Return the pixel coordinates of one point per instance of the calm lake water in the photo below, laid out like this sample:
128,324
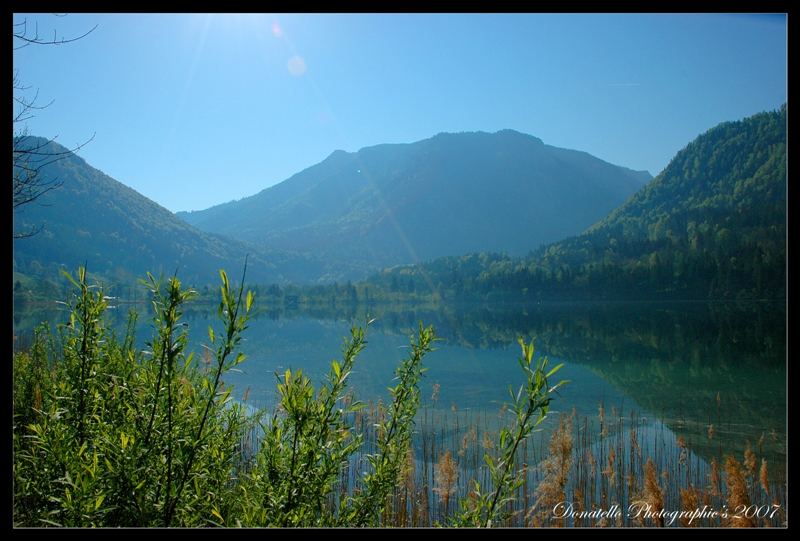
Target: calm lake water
682,366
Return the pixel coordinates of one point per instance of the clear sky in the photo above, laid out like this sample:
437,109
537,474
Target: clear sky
194,110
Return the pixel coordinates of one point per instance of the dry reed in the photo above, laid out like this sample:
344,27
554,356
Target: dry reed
737,494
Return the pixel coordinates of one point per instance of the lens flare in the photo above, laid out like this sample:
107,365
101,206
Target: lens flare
297,66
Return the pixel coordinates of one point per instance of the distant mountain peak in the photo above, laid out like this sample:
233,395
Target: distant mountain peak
338,153
450,194
508,132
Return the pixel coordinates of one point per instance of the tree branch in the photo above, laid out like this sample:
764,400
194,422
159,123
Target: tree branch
22,35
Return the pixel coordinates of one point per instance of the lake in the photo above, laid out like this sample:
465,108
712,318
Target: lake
685,365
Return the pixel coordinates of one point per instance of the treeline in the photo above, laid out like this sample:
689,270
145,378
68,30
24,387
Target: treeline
711,226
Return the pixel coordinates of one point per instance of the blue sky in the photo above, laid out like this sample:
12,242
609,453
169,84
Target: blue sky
194,110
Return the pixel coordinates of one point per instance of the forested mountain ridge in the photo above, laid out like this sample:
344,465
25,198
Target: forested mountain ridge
447,195
734,175
711,225
120,234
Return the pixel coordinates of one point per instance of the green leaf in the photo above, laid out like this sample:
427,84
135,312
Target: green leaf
248,301
99,501
357,406
211,334
69,277
554,370
336,369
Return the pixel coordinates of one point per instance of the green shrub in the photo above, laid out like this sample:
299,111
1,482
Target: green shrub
108,435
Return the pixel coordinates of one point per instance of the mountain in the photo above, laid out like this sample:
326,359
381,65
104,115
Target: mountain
447,195
120,234
711,225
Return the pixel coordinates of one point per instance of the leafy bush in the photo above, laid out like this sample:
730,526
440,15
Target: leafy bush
109,435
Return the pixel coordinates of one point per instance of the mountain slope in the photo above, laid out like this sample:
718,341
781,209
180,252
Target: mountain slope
91,218
711,225
447,195
734,175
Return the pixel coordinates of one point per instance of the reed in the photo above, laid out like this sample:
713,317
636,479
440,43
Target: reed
446,479
738,500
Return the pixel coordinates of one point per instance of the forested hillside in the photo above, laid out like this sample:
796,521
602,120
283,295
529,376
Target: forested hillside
711,225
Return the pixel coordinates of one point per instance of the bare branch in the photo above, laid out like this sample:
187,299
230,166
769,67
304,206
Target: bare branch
36,40
30,157
28,163
30,194
35,150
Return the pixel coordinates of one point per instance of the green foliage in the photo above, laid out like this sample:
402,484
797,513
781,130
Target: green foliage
310,440
306,444
394,436
529,405
115,436
108,435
